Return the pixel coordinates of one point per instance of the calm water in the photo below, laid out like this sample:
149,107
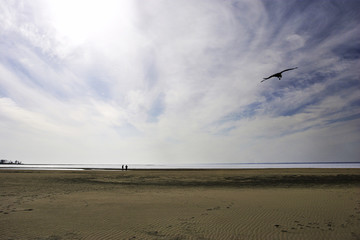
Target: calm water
179,166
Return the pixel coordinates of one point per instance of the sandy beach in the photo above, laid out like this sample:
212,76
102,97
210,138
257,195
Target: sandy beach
180,204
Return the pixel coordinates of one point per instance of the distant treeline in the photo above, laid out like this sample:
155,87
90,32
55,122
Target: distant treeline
4,161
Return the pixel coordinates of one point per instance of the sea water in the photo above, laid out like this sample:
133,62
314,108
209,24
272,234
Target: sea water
181,166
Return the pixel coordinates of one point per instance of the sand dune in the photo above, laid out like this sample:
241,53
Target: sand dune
212,204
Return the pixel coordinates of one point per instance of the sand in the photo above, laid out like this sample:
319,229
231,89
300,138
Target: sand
179,204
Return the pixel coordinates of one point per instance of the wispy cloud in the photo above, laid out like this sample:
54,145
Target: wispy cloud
179,81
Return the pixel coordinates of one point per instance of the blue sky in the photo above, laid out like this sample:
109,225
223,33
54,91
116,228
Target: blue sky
179,81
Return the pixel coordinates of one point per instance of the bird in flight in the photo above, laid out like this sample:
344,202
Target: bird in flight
279,74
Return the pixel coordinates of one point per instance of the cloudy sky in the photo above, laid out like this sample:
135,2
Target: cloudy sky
178,81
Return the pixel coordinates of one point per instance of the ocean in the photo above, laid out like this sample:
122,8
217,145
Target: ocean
180,166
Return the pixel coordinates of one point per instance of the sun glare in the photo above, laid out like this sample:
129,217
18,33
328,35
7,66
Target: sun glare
78,20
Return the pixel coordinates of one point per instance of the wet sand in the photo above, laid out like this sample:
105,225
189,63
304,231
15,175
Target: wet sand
180,204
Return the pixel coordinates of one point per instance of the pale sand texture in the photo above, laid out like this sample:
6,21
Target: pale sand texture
207,204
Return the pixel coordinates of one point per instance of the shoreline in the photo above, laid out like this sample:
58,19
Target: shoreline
166,169
215,166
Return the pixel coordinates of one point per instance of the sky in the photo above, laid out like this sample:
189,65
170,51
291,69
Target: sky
178,81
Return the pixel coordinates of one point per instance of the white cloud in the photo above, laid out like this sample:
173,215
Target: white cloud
173,81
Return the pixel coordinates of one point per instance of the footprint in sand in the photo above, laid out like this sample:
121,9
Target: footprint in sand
155,233
214,208
230,205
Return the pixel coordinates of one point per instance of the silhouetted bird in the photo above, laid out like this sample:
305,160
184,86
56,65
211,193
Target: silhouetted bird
279,74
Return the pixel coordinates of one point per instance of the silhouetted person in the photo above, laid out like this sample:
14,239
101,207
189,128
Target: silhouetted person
279,74
122,167
126,167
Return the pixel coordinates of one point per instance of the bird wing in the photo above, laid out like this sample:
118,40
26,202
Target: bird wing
288,69
266,78
269,77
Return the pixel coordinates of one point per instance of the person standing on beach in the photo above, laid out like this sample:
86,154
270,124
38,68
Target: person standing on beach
126,167
122,167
